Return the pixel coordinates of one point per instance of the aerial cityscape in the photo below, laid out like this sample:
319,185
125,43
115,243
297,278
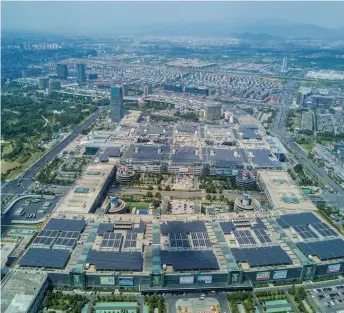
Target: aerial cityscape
172,157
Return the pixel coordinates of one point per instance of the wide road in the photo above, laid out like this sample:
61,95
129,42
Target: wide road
26,177
311,167
229,194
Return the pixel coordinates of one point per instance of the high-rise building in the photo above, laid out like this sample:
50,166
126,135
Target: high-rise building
284,65
54,85
62,71
43,83
147,90
116,104
80,73
125,90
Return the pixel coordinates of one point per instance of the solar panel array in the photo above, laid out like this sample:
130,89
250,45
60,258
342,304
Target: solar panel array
289,220
189,260
262,256
324,230
69,234
111,241
43,242
48,233
262,235
115,261
200,241
259,224
227,227
178,241
45,239
304,232
62,243
65,225
324,250
181,227
50,258
244,237
105,227
130,241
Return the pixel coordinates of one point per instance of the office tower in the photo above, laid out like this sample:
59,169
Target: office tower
116,104
125,90
62,71
147,90
80,73
54,85
43,83
284,65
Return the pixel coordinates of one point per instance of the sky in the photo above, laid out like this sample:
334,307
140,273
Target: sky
104,17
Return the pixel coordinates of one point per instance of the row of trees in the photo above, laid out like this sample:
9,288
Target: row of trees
245,298
64,302
155,302
299,294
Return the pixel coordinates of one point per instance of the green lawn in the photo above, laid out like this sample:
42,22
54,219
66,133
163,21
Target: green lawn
138,205
308,147
5,166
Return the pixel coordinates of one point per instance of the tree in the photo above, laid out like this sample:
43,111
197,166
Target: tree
149,194
150,187
168,188
208,197
298,168
222,197
214,198
158,195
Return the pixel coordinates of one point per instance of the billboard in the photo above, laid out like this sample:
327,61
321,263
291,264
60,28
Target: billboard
125,281
204,279
107,280
280,274
184,280
263,276
184,170
334,268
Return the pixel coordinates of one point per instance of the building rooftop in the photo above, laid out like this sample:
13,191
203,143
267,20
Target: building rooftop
141,153
84,193
18,291
224,157
282,192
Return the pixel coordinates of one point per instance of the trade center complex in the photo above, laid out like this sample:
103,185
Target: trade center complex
289,241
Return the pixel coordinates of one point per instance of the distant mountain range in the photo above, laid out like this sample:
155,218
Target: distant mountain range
244,30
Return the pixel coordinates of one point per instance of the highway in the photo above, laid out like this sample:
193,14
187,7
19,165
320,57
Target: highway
12,187
300,155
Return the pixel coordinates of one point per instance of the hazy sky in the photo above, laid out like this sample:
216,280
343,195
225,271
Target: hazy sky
117,16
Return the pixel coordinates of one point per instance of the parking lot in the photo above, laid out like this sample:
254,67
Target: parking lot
330,299
30,207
